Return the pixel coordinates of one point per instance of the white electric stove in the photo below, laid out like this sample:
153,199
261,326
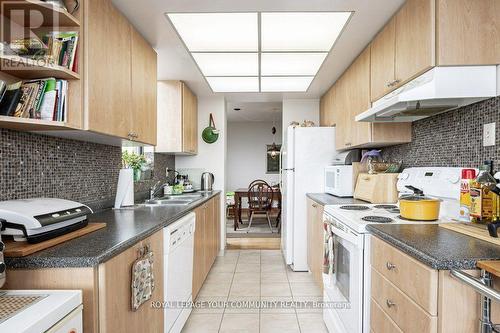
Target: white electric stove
347,244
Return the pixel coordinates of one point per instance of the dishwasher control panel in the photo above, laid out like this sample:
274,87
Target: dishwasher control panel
176,233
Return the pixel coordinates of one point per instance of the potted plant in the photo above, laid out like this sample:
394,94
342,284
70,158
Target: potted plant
135,162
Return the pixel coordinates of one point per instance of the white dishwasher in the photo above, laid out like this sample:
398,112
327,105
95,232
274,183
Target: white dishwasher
178,265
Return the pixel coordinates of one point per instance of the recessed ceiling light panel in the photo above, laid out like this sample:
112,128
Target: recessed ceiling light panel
228,64
311,31
234,84
285,84
291,63
221,32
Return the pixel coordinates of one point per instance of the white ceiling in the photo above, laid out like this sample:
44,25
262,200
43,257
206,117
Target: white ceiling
175,63
254,111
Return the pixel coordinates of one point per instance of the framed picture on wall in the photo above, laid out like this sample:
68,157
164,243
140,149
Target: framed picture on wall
273,158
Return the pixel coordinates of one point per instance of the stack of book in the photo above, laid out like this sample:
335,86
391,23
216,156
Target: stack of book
57,48
45,99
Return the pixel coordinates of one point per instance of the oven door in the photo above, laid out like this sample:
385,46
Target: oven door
344,287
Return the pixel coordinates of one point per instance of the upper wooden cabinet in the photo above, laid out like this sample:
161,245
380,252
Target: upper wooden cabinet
428,33
404,49
121,76
383,52
177,119
351,96
144,70
468,32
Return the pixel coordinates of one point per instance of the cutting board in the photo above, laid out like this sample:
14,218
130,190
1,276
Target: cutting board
476,231
21,249
492,266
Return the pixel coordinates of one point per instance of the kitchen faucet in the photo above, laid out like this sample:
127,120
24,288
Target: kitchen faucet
153,191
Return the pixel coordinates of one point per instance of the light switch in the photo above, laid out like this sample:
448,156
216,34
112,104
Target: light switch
489,135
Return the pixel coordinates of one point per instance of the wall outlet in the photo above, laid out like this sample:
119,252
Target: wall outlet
489,138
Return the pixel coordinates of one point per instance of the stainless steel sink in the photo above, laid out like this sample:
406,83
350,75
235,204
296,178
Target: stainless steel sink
177,200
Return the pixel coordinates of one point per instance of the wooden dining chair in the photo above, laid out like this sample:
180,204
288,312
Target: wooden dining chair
260,201
256,181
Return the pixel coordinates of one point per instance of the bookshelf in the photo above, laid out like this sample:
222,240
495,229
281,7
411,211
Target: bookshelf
15,68
48,12
25,68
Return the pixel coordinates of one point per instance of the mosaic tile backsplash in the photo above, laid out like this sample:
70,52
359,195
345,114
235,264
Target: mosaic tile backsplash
451,139
34,165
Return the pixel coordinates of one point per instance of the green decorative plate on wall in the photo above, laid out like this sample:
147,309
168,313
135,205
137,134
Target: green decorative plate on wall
210,134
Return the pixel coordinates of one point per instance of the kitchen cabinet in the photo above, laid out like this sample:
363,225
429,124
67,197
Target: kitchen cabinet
315,240
177,118
404,49
383,51
405,292
115,311
468,32
326,115
106,289
143,76
351,96
121,76
206,241
415,40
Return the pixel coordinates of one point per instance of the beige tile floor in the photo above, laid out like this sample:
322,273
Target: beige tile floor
240,279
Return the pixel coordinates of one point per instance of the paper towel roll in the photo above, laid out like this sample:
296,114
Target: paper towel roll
125,189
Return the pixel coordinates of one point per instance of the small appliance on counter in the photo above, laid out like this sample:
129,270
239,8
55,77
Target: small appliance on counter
207,181
339,178
39,219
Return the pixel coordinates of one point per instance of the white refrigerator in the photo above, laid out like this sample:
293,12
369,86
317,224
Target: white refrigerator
304,155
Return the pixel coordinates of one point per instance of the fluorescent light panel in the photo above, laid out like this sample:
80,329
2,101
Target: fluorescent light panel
228,64
221,32
234,84
285,84
301,31
293,45
291,63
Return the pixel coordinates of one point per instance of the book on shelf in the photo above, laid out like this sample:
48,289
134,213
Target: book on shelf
44,99
57,48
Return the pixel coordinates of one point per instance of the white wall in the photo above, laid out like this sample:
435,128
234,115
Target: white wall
246,152
300,110
210,157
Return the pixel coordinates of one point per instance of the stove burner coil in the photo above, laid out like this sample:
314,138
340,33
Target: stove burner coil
348,207
386,206
377,219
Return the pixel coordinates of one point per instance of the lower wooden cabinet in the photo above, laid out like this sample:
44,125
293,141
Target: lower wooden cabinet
408,296
115,311
315,240
206,240
106,289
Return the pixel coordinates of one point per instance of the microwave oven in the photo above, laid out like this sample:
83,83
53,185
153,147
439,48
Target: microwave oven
339,180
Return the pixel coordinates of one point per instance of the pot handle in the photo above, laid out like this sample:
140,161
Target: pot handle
415,190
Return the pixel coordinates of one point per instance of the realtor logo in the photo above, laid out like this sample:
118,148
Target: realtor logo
27,30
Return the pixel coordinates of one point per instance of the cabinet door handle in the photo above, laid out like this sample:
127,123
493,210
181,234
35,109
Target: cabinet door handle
314,205
390,266
390,303
348,144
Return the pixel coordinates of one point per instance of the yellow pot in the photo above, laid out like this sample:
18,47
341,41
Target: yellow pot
419,208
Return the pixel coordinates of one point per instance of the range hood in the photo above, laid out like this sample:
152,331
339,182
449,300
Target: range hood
438,90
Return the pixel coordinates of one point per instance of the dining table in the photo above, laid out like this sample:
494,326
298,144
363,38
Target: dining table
243,192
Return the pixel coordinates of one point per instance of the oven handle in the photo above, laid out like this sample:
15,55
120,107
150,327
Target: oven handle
351,238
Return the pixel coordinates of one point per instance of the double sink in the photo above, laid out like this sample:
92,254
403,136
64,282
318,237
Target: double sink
174,200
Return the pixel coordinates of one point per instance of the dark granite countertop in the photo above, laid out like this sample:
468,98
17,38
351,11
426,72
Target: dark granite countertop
328,199
436,247
124,228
